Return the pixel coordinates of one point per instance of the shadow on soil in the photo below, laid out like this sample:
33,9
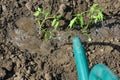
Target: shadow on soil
114,46
10,73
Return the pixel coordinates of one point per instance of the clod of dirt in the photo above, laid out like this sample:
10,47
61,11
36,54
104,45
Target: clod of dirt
28,5
2,73
48,76
62,8
110,7
18,76
4,8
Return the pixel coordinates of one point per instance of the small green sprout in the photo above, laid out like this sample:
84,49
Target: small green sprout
95,15
78,19
55,22
44,16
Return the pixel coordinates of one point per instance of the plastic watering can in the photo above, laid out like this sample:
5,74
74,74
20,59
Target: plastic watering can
98,72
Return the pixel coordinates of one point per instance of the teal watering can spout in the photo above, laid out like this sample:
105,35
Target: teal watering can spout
80,58
98,72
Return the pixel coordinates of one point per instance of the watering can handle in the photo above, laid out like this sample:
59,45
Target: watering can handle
102,72
98,72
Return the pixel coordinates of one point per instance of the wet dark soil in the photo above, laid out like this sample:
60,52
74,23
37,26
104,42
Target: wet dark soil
24,55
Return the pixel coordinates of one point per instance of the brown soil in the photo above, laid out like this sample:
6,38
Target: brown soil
24,55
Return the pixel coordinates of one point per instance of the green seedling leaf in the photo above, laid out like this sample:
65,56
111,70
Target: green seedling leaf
59,17
54,22
78,15
89,39
80,21
96,20
93,8
100,16
40,9
72,22
56,25
47,13
36,14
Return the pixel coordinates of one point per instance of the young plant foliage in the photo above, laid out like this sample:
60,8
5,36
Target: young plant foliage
95,15
44,17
